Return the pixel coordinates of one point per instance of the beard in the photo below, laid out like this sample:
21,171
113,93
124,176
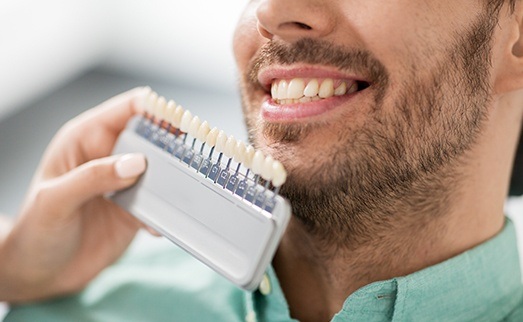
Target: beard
399,167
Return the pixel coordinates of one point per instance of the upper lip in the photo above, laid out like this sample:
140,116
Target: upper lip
267,75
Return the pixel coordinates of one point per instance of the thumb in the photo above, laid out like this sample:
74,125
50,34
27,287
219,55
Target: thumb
98,177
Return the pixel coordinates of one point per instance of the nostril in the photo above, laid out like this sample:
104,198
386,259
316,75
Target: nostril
302,25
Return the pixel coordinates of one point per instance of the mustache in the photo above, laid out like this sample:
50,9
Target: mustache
319,52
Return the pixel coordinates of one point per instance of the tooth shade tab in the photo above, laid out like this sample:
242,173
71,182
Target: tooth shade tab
279,174
186,121
241,150
203,131
257,162
169,111
211,137
177,116
230,147
194,126
267,172
141,100
221,139
161,106
249,155
151,103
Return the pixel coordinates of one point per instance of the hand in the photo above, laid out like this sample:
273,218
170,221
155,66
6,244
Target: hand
67,232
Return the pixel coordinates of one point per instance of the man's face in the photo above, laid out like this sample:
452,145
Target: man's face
403,88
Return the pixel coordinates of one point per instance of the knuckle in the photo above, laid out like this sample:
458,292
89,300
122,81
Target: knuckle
43,193
97,171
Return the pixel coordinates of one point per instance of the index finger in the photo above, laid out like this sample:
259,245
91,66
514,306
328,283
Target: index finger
92,134
114,113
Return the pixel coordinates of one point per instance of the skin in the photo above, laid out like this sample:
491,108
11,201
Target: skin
443,190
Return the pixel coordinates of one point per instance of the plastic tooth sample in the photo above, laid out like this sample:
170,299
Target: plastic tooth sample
141,101
249,155
267,170
151,103
230,147
194,126
279,175
160,110
203,131
177,116
211,137
169,111
186,121
257,162
239,155
221,139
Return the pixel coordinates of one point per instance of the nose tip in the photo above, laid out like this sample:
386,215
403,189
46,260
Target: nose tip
291,20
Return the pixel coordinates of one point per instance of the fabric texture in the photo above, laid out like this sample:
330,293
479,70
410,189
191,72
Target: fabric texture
159,282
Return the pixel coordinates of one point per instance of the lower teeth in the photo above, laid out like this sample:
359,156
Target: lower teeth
300,100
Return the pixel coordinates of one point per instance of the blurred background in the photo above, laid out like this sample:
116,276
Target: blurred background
58,58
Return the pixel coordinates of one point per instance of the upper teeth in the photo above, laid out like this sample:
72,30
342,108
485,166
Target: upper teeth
298,90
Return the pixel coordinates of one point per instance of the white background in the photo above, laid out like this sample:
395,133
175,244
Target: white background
43,44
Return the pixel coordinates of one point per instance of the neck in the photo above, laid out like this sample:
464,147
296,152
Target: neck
328,274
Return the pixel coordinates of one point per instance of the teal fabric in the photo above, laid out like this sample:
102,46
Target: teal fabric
165,284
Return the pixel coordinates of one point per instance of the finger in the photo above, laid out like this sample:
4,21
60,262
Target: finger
114,112
152,231
92,134
96,178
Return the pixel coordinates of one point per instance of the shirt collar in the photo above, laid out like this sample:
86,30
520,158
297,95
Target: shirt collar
484,282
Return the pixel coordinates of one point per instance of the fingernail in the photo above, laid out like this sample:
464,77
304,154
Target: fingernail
130,165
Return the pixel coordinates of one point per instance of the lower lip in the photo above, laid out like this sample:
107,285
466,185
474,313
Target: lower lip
273,112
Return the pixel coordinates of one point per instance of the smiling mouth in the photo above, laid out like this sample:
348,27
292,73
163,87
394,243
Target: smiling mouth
305,90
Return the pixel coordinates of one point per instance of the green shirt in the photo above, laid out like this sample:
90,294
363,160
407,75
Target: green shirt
159,282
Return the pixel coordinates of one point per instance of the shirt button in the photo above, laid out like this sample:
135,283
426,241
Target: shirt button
265,285
250,317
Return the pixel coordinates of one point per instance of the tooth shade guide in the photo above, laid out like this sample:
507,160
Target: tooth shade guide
182,181
237,154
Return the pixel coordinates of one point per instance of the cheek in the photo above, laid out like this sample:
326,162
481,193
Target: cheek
411,36
247,40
